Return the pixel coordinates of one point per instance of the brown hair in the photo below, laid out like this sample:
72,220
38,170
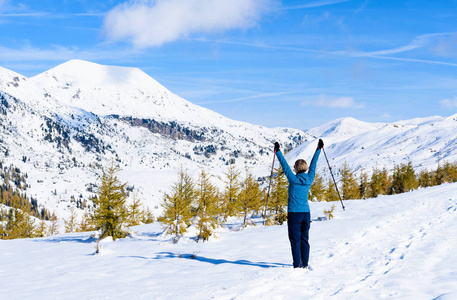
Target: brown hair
300,166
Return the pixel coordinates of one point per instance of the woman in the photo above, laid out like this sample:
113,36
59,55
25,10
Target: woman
298,212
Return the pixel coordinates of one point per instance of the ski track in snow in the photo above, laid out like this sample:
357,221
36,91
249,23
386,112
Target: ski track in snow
392,247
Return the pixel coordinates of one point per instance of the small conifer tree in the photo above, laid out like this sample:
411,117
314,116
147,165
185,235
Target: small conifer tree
19,225
317,190
54,228
349,186
146,216
87,223
278,197
425,178
134,212
177,213
42,230
364,190
231,196
207,207
331,194
251,197
71,224
110,213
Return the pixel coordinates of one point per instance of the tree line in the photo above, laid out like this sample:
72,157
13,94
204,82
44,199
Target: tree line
199,202
111,216
403,178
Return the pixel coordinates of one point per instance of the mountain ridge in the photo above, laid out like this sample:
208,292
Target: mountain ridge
61,144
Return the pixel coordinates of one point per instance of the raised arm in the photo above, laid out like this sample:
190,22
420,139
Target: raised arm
285,166
312,166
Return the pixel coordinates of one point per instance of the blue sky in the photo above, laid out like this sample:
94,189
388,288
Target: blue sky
275,63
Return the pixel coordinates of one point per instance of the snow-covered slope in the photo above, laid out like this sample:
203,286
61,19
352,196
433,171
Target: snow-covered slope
61,126
393,247
364,146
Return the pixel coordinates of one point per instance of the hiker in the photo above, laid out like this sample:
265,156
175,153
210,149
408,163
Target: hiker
298,212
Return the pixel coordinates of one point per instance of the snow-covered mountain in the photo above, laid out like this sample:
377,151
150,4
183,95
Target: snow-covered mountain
364,146
61,126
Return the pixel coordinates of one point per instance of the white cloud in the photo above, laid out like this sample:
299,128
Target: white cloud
449,102
153,23
332,102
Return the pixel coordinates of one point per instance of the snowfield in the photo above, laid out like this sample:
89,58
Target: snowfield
392,247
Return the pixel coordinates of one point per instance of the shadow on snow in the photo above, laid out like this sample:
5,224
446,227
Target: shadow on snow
214,261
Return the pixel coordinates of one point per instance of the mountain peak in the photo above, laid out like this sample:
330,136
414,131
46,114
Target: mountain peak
343,127
92,74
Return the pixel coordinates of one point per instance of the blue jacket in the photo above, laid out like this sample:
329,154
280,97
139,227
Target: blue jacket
299,184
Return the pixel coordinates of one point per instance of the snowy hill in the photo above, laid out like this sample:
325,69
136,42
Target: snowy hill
400,246
60,127
364,146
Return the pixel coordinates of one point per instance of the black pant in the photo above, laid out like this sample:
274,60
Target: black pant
298,225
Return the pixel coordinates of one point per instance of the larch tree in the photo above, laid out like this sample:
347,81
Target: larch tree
349,186
317,190
19,225
364,186
207,208
331,194
251,197
110,213
177,209
230,199
277,202
71,225
135,213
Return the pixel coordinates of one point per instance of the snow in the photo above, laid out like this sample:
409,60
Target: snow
392,247
364,146
71,102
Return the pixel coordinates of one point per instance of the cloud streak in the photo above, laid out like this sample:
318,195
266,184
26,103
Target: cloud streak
154,23
332,102
314,4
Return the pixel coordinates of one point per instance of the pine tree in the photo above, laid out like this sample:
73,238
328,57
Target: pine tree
364,189
331,193
380,182
42,230
71,224
403,178
349,186
146,216
207,207
87,223
409,177
110,212
439,175
425,178
278,197
134,212
231,196
251,196
177,213
317,191
386,181
3,220
54,228
19,225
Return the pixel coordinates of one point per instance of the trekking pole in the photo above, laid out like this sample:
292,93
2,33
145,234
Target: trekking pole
269,186
330,168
